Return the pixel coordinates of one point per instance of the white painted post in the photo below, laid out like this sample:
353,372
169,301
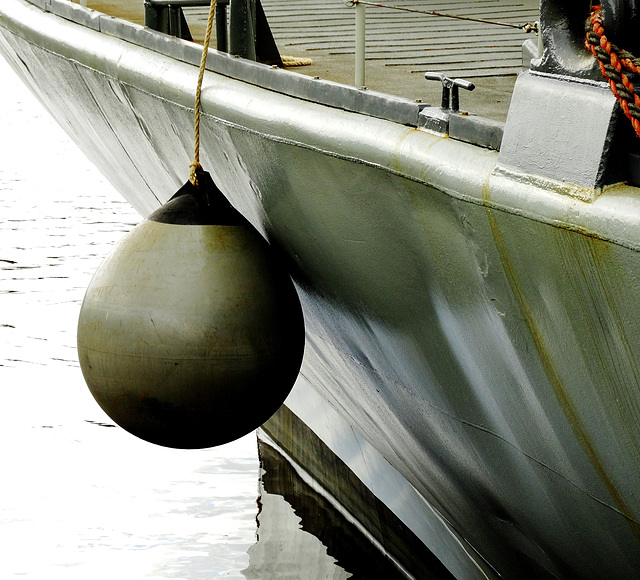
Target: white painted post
540,42
360,44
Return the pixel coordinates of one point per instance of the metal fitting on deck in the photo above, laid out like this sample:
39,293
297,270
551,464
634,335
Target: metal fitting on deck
436,119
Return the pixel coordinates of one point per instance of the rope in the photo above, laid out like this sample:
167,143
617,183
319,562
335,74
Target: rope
612,60
528,27
195,166
295,61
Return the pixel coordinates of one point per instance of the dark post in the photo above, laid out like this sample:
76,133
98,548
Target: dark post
166,18
222,35
242,35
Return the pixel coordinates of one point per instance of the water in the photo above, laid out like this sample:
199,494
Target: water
80,498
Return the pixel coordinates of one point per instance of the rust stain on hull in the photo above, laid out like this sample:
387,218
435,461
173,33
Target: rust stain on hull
570,411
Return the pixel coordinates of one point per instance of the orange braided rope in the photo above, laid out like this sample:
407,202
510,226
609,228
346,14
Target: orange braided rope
612,60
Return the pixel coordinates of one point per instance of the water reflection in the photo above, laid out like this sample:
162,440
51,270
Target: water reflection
303,535
282,543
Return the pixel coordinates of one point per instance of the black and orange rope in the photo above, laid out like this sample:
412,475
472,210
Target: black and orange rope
612,61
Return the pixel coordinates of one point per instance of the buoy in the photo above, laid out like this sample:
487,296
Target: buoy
191,332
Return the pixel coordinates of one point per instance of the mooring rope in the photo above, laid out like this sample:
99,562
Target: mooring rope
287,61
295,60
612,60
195,166
528,27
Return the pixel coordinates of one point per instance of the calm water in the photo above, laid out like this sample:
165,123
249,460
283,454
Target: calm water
80,498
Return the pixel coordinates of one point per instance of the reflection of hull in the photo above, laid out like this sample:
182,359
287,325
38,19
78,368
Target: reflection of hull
301,531
477,328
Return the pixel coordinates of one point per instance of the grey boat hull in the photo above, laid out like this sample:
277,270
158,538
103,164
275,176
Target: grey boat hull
476,327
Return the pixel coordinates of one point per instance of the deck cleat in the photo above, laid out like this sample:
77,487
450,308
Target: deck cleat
436,119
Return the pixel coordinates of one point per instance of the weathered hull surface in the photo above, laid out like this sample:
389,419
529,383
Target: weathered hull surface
478,330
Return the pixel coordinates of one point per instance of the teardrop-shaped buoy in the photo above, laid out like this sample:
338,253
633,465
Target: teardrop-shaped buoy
191,332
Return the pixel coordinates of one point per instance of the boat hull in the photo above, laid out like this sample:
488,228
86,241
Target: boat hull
478,329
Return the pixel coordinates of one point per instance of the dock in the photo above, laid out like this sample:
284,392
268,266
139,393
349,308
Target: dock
402,43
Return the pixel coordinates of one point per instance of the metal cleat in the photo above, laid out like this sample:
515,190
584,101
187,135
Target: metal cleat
436,119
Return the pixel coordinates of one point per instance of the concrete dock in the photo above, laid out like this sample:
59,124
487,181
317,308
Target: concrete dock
400,45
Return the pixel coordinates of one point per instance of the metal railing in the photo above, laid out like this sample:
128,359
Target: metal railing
360,17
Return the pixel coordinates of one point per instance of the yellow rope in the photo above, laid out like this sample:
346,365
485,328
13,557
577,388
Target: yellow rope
295,61
288,61
207,38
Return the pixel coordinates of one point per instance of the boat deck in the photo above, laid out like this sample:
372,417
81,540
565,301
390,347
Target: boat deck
401,45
